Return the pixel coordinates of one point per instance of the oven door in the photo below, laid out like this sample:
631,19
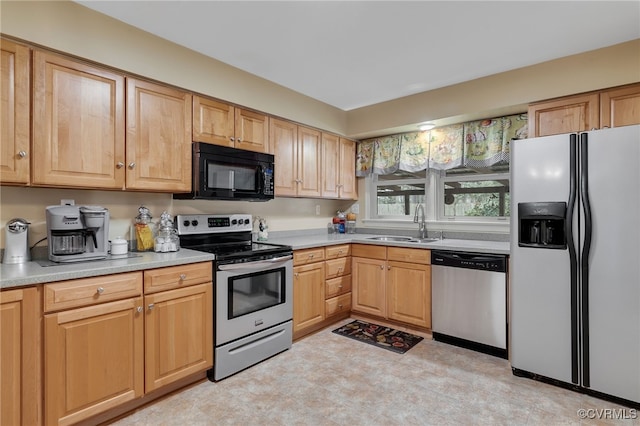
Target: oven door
252,296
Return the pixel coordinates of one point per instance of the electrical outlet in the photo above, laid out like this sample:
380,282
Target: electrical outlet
355,208
67,202
317,209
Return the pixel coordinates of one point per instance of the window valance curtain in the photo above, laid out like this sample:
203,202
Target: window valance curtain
476,144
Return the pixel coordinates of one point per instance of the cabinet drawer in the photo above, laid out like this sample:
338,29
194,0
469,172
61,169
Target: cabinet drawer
337,286
402,254
91,291
337,305
177,276
334,252
337,267
369,251
302,257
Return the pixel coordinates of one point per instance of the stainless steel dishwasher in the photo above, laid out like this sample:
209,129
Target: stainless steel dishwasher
469,300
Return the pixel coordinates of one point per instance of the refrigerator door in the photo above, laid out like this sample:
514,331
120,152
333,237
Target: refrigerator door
540,285
613,159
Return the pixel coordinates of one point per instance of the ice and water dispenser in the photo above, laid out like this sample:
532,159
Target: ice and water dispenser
542,225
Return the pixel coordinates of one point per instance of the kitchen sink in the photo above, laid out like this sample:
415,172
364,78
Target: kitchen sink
390,238
425,240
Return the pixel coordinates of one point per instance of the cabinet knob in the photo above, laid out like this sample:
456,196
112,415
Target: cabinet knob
239,140
132,165
100,290
232,139
311,256
151,305
340,286
139,309
22,154
381,267
183,277
339,270
339,306
119,165
389,267
295,275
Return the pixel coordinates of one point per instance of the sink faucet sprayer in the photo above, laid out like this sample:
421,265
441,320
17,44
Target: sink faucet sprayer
422,227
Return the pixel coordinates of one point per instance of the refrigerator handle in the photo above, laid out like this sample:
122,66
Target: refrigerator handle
573,256
586,250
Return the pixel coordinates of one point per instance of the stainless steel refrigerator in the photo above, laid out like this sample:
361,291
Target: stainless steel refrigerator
575,261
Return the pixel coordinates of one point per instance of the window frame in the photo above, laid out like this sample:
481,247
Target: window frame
372,194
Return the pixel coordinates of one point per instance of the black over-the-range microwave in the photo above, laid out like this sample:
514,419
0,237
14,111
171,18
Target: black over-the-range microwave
224,173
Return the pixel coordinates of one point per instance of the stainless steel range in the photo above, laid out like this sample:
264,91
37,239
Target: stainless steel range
253,295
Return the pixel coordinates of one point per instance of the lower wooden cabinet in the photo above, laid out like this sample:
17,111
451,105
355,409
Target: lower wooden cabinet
308,295
94,360
101,353
20,357
178,334
392,283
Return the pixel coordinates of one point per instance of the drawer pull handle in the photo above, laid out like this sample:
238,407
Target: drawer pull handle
183,277
151,305
339,306
139,309
340,286
100,290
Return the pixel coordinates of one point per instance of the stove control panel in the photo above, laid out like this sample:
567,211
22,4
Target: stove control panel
189,224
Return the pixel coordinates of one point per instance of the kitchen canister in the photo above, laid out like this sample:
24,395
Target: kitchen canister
119,247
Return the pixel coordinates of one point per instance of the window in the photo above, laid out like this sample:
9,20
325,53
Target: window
397,195
470,195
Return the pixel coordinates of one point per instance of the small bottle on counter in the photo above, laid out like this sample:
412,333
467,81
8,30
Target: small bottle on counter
143,230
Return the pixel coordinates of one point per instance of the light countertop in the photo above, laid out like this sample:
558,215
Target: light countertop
317,240
29,273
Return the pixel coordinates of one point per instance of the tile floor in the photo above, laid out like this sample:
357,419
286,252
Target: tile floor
326,379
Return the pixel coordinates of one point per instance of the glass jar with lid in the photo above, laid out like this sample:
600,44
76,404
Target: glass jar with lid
167,239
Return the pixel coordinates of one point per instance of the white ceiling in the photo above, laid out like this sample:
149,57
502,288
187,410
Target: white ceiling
351,54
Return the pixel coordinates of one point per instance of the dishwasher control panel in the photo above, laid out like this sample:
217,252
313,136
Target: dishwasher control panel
480,261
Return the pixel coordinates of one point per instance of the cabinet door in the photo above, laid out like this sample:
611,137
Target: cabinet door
213,122
78,124
20,381
178,334
347,167
368,286
308,295
284,143
330,165
620,107
93,360
571,114
14,113
409,293
158,137
251,131
309,162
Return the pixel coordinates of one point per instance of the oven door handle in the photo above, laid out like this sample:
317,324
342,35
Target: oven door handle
254,265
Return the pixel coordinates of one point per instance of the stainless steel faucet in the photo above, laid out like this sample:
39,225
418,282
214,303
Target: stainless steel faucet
422,227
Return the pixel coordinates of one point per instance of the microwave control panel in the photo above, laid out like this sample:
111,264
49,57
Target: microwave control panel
268,181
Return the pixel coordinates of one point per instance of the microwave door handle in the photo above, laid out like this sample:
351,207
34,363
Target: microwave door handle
258,264
260,179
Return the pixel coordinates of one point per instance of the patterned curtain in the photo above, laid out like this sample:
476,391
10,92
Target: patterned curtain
447,147
414,151
477,144
487,141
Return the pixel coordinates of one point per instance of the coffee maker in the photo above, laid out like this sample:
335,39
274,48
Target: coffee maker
77,233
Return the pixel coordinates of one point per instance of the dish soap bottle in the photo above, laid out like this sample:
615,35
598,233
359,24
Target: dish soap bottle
167,239
144,233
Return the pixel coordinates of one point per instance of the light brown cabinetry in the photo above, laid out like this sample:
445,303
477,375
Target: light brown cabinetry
15,141
220,123
298,152
338,163
308,288
392,283
338,281
587,111
20,357
78,124
158,137
106,343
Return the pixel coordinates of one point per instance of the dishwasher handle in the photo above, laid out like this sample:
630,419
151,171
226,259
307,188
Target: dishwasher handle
467,260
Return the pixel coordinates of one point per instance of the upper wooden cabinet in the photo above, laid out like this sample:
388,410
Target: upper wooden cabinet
222,124
608,108
298,152
158,137
339,167
78,124
15,154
